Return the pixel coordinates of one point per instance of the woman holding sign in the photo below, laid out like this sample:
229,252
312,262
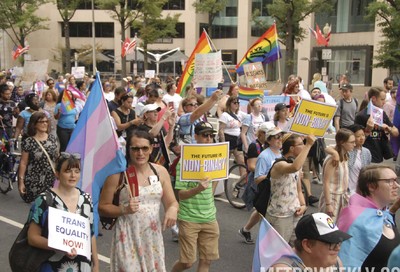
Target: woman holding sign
137,239
68,198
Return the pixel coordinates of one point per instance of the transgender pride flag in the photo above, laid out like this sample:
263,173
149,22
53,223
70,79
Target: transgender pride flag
95,139
270,246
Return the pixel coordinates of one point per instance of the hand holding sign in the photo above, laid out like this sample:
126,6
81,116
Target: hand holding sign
133,205
310,139
203,184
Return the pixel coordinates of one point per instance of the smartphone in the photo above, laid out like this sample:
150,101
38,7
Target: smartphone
171,105
220,86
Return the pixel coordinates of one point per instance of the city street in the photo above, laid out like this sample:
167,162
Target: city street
235,255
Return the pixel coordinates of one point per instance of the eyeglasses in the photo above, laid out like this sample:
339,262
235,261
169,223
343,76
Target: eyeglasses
299,144
332,246
390,181
66,155
277,137
235,102
136,149
42,122
208,135
193,104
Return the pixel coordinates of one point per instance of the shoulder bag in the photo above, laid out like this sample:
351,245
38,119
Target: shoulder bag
24,257
47,155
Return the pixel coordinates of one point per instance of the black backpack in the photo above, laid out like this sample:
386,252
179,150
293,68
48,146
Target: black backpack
263,194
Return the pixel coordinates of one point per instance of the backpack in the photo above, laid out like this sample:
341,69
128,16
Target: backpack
263,194
341,104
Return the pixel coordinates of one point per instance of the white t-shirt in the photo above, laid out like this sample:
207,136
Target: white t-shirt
176,98
232,125
109,96
304,94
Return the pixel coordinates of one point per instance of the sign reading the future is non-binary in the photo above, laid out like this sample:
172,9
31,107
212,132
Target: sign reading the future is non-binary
201,161
69,230
312,117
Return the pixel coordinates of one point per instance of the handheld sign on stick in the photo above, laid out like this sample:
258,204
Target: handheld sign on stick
132,180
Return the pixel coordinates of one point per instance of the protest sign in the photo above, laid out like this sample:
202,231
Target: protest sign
149,73
78,72
208,69
312,117
268,106
35,70
201,161
69,230
255,75
377,114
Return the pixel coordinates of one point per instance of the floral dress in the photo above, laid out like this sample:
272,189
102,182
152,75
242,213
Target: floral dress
38,214
137,243
39,175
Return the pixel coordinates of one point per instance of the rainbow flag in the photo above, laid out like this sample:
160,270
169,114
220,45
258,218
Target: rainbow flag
246,93
202,46
67,104
265,49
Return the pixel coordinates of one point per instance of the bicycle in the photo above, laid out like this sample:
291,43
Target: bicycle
235,185
8,170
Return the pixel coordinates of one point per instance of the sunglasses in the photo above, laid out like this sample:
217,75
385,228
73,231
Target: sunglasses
66,155
235,102
193,105
208,135
136,149
42,122
277,137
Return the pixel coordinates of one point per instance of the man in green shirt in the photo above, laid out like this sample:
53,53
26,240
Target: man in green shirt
198,226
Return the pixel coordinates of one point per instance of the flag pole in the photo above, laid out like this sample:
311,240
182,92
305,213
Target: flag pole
277,53
93,41
223,63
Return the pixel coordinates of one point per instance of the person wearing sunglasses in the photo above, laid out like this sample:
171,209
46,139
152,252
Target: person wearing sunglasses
369,218
316,248
230,123
198,226
35,173
137,243
67,197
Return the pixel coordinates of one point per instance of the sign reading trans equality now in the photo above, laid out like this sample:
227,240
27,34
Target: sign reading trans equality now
312,117
200,161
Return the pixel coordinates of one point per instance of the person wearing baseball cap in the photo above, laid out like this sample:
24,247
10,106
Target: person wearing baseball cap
198,226
281,116
317,244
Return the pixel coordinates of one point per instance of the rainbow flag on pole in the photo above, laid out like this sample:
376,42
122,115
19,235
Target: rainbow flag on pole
67,104
203,46
265,49
246,93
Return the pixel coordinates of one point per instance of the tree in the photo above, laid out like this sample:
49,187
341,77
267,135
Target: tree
18,18
288,15
152,26
212,8
125,13
387,14
67,9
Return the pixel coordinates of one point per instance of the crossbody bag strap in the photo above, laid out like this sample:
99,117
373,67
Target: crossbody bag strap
47,154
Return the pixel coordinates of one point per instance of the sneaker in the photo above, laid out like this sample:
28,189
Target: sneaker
312,199
316,180
247,236
175,233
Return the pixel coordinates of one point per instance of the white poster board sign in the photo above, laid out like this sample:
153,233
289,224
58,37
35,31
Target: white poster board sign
78,72
69,230
208,69
35,70
149,73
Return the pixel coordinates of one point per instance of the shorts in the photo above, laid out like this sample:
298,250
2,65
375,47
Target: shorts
201,236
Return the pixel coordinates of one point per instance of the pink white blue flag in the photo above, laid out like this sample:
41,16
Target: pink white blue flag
76,93
95,139
270,246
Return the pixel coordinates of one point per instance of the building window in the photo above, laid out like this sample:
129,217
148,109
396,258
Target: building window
231,11
84,29
174,5
221,31
85,4
260,5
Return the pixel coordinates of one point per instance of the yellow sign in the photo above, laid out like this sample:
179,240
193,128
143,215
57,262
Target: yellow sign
201,161
312,117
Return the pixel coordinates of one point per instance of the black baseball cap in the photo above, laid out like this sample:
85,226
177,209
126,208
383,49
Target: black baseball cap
321,227
204,127
281,106
346,86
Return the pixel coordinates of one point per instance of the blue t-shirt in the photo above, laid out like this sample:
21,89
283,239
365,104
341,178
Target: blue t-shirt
264,162
66,120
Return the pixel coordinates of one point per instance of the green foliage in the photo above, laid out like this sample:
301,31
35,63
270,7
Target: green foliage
18,18
212,8
67,8
387,15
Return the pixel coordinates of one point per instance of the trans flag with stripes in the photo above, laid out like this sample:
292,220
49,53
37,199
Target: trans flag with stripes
95,139
270,246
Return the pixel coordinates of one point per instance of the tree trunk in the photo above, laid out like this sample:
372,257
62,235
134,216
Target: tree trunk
145,55
289,48
123,60
67,53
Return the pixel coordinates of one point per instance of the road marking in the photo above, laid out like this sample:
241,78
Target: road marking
20,226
